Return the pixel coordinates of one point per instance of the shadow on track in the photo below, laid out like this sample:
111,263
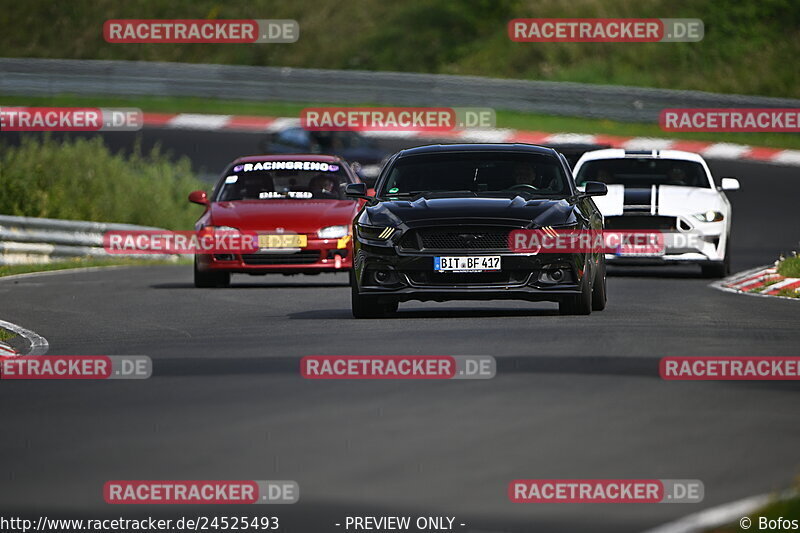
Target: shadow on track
662,272
594,365
235,285
326,314
600,365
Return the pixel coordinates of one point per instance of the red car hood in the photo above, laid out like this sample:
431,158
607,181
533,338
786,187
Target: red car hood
301,216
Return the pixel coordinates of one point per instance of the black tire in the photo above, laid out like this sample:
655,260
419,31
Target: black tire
599,297
364,306
580,304
719,270
210,280
715,270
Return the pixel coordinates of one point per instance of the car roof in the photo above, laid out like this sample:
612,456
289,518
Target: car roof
293,157
618,153
475,147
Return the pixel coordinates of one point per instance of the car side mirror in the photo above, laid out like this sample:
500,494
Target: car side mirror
198,197
356,190
729,184
594,188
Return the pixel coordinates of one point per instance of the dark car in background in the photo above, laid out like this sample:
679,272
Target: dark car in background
438,229
363,154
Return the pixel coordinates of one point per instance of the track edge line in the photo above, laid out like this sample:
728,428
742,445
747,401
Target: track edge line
38,345
720,515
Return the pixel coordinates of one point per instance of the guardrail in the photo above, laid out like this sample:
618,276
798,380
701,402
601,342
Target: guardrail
48,77
28,240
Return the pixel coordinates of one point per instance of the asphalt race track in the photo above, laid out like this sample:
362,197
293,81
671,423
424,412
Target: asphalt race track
574,397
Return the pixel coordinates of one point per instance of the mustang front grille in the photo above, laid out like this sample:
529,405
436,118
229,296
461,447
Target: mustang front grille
456,239
467,278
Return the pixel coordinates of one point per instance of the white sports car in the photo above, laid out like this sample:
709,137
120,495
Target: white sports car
666,190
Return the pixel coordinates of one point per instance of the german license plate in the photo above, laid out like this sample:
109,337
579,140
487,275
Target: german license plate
655,249
282,241
476,263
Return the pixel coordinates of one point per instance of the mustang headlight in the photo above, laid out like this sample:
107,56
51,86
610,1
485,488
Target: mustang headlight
709,216
333,232
555,230
375,233
574,225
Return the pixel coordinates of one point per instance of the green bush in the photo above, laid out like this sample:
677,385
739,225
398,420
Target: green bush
81,179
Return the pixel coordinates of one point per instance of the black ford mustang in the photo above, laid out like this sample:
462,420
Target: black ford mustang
438,229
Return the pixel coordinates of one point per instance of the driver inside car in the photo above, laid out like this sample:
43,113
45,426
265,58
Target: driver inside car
251,187
677,177
525,174
324,187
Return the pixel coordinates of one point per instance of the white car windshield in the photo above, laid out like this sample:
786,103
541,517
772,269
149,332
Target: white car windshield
643,172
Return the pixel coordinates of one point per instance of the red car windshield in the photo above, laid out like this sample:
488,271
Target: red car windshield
243,182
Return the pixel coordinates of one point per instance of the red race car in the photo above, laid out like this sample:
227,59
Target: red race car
296,206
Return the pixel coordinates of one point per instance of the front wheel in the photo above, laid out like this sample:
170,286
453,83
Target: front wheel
719,270
368,306
599,297
580,304
210,279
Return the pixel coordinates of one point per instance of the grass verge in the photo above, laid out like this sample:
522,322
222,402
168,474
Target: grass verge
9,270
788,293
505,119
789,267
6,335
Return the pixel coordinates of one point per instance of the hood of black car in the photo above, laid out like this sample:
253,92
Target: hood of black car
540,212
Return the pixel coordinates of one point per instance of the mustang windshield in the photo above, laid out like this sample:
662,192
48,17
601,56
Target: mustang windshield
644,172
476,173
283,180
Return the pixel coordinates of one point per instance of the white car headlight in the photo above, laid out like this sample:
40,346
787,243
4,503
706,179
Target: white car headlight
709,216
333,232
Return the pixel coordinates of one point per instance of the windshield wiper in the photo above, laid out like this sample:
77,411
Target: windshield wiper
407,194
428,194
453,193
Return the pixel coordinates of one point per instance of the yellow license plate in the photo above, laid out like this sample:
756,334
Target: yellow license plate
282,241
